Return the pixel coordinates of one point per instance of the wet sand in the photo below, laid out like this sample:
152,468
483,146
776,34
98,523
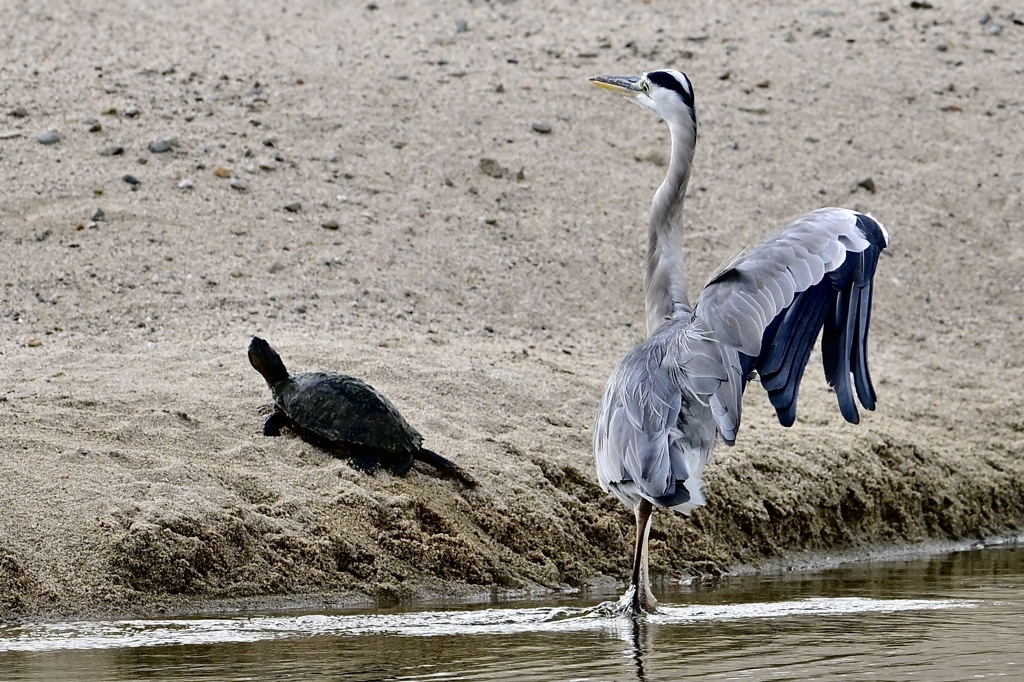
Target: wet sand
491,310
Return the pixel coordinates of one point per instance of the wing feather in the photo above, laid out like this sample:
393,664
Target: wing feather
770,305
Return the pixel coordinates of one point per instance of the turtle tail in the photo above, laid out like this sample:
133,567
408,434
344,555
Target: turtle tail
445,466
267,362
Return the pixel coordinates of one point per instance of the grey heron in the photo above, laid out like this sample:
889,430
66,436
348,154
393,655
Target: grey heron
674,393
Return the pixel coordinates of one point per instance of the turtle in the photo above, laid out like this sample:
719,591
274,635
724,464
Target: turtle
345,416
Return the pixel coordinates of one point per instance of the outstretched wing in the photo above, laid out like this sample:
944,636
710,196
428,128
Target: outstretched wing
764,310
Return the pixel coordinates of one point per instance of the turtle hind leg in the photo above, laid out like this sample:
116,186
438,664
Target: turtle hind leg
361,457
445,466
274,422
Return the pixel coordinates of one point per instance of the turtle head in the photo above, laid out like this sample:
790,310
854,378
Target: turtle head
267,362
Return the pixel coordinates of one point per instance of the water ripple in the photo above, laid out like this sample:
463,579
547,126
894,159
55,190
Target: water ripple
186,631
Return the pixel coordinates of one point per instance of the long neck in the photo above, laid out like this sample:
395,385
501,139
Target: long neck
664,282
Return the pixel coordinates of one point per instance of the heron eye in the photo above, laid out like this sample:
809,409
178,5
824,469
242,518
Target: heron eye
646,87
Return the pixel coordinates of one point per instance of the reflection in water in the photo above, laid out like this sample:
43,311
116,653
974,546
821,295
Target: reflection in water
641,642
943,618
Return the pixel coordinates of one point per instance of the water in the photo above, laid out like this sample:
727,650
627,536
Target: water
953,617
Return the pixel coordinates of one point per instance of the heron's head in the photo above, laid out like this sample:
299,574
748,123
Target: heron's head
666,92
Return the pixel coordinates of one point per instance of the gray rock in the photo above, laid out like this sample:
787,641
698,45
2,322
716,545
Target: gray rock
293,207
187,184
543,128
461,26
92,125
239,184
49,137
868,184
330,224
9,134
160,146
491,167
19,112
98,216
111,149
131,180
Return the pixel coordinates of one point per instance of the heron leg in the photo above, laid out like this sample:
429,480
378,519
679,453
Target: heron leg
643,599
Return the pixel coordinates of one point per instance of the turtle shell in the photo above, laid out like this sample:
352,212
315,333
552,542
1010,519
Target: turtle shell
342,409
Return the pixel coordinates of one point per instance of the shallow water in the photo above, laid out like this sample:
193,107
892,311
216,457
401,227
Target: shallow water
951,617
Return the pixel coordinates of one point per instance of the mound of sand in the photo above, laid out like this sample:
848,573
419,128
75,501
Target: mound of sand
365,187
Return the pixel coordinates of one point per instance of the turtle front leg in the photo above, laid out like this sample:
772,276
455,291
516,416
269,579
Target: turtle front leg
274,422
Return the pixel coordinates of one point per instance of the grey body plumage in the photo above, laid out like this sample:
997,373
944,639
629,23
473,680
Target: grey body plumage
672,395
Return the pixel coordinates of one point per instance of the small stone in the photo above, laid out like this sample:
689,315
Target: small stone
491,167
19,112
330,224
461,26
239,184
293,207
33,343
41,235
9,134
868,184
160,146
49,137
542,128
98,216
187,184
277,266
300,309
500,88
112,150
131,180
92,125
222,172
131,112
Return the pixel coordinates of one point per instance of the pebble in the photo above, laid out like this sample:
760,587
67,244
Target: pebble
160,146
34,342
186,184
131,180
19,112
98,216
222,172
9,134
277,266
293,207
491,167
543,128
131,112
330,224
41,235
461,26
239,184
92,125
868,184
49,137
112,150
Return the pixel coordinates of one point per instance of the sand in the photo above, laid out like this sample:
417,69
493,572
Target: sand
491,310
